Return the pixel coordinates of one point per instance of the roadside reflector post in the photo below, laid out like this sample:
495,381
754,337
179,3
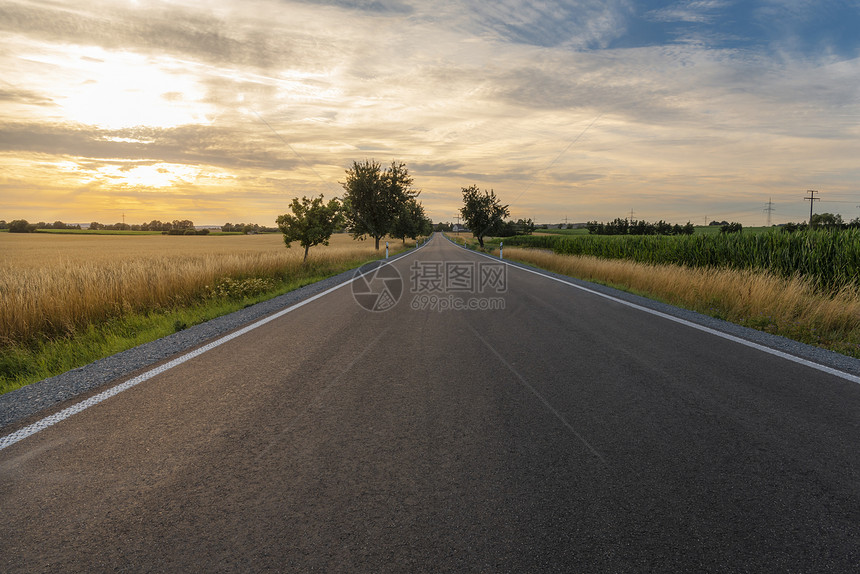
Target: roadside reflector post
386,250
501,243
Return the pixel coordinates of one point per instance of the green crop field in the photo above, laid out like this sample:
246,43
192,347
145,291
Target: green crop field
829,259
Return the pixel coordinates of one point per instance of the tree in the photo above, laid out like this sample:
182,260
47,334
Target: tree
311,223
482,212
374,197
411,221
20,226
825,220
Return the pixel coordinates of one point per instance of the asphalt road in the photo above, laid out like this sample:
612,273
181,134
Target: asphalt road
564,432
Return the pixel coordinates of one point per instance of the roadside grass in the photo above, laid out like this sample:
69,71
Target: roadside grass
68,301
23,364
792,307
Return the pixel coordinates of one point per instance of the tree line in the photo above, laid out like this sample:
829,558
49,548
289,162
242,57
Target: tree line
175,227
620,226
822,221
24,226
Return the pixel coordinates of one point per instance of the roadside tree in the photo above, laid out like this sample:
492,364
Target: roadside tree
411,221
374,197
311,223
482,212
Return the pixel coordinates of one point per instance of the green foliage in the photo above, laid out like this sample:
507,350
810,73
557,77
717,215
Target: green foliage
482,212
518,227
374,197
830,258
229,288
620,226
825,220
311,223
21,226
411,221
732,227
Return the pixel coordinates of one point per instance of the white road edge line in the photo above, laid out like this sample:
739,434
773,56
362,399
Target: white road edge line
53,419
763,348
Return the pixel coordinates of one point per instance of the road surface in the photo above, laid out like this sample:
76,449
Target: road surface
508,424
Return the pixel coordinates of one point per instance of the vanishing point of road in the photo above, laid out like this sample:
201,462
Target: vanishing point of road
492,420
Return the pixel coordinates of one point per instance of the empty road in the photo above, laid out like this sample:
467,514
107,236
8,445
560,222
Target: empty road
450,413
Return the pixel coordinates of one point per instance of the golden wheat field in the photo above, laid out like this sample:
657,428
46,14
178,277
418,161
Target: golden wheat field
55,284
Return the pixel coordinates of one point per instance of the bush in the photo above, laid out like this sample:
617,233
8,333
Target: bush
21,226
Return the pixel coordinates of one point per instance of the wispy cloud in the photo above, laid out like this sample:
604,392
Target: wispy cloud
237,106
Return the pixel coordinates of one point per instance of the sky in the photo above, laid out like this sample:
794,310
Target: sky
575,110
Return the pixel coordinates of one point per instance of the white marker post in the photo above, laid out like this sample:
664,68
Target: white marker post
386,250
501,243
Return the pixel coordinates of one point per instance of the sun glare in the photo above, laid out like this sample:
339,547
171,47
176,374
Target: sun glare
116,90
155,176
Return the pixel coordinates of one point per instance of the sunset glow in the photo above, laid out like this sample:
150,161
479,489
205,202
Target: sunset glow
577,109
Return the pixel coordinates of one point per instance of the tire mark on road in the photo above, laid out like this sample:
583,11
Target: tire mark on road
539,396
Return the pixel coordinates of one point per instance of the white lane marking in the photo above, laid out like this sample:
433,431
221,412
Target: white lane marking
757,346
53,419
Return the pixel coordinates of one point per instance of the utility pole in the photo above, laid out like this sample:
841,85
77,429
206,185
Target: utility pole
811,199
631,215
769,209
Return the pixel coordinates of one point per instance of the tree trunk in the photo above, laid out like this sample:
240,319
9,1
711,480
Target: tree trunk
377,243
306,254
481,241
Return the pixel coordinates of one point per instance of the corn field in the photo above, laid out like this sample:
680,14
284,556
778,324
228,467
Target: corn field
830,260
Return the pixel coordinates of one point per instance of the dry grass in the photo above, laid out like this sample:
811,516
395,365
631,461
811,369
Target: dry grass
788,307
54,285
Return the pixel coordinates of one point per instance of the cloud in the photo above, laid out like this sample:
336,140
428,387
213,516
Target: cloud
692,97
193,145
576,23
